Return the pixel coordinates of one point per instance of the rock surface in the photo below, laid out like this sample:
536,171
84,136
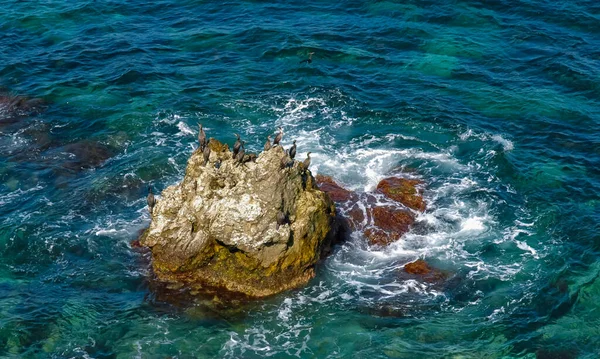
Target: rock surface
384,216
218,227
417,267
336,192
421,270
402,190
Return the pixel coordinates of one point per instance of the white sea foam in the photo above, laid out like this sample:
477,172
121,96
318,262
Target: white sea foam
18,194
472,224
184,129
506,144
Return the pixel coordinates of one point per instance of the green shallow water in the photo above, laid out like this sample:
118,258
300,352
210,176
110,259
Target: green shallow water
494,105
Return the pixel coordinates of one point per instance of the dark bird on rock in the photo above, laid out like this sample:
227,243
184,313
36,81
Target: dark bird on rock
240,155
206,154
151,200
278,137
267,144
281,219
309,60
218,164
236,146
202,138
306,162
293,150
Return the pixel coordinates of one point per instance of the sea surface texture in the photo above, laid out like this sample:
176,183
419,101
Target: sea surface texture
493,104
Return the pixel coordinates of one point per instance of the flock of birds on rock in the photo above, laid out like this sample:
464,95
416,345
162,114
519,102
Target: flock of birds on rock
240,157
239,152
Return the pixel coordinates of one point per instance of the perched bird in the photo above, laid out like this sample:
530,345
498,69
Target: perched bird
309,60
206,154
201,138
151,200
218,164
281,219
240,155
278,137
236,146
306,162
267,144
293,150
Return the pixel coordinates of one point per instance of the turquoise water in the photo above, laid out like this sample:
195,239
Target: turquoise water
493,104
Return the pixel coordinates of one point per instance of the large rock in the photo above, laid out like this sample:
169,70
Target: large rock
218,227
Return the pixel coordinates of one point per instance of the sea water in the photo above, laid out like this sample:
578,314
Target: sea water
494,105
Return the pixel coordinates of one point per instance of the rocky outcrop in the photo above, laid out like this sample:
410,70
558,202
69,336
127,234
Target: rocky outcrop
384,216
218,228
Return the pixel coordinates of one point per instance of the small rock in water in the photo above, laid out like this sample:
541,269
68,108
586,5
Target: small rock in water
19,105
402,190
417,267
384,222
421,270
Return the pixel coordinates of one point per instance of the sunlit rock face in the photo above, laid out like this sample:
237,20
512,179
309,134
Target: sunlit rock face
218,228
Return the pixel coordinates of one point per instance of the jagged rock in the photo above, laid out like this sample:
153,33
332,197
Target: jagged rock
402,190
218,227
390,224
335,191
356,216
381,222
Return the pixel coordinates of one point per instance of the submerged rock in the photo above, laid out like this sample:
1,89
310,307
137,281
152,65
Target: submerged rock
382,220
402,190
86,154
11,105
390,224
417,267
421,270
218,227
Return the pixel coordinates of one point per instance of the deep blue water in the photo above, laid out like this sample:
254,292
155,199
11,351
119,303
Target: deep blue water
493,104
